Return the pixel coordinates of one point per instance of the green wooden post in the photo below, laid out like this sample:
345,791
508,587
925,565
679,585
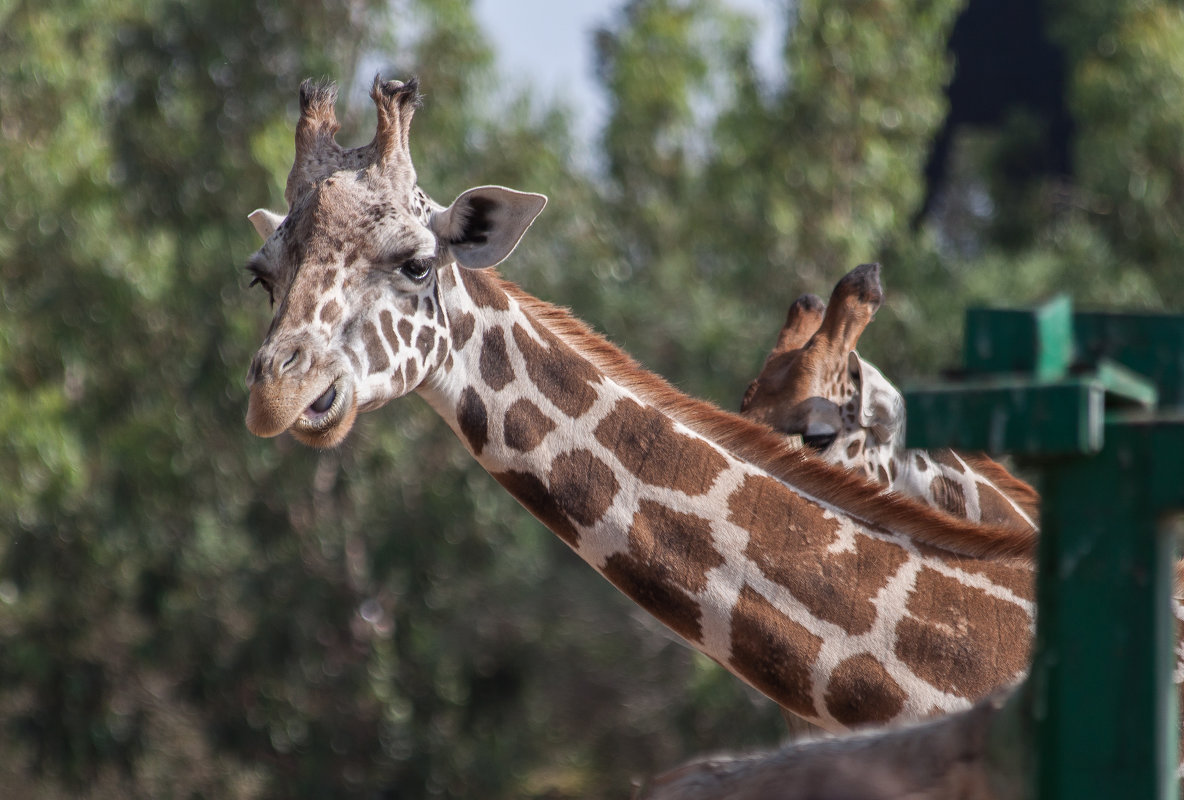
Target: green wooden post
1101,705
1104,702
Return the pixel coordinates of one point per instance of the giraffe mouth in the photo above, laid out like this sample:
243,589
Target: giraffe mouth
326,410
328,419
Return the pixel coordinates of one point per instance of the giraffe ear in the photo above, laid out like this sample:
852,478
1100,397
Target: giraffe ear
881,406
265,222
484,225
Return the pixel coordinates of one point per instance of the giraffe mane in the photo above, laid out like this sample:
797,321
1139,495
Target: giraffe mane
764,448
1018,490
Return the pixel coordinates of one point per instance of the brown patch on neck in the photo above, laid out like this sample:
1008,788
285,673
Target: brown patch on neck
774,653
461,326
669,556
657,595
525,425
961,639
473,419
674,544
563,377
789,540
535,497
861,691
495,361
647,444
948,495
582,486
767,450
1020,492
482,287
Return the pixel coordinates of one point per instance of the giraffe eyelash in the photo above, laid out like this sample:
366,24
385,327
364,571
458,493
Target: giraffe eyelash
259,277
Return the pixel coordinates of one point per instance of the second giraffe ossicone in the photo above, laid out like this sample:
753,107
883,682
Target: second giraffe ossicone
843,603
815,385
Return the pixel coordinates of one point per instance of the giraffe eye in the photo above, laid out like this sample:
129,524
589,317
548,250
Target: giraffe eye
819,441
260,279
417,268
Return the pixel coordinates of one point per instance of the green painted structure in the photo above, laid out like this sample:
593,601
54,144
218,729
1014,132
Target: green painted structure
1094,404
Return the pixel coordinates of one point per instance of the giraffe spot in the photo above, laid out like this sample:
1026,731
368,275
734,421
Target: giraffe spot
425,342
534,496
789,537
948,459
582,485
655,594
854,448
429,308
329,278
562,376
462,328
994,508
375,352
495,361
442,351
948,496
472,419
891,466
482,290
647,444
405,329
387,325
412,373
1018,578
922,462
330,312
882,475
677,546
861,690
774,653
413,301
525,425
961,639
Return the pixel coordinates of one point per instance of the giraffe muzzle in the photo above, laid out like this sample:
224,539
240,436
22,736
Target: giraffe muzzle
315,414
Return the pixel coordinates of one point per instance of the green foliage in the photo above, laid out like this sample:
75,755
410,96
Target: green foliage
1128,155
187,611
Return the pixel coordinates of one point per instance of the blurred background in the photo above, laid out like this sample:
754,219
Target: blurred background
189,612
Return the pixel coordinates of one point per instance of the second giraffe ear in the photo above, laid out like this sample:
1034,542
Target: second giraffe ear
484,225
881,406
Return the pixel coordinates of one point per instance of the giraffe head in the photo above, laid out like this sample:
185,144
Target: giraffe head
815,385
355,267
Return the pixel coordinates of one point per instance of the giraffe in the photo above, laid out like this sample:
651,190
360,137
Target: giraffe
841,602
814,384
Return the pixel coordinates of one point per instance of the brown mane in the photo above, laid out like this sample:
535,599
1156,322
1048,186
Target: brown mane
1020,492
767,450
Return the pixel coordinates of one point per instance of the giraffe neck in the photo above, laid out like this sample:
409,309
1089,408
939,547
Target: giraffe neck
970,486
966,486
819,596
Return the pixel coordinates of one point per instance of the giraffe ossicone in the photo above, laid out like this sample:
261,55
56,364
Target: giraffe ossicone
843,603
